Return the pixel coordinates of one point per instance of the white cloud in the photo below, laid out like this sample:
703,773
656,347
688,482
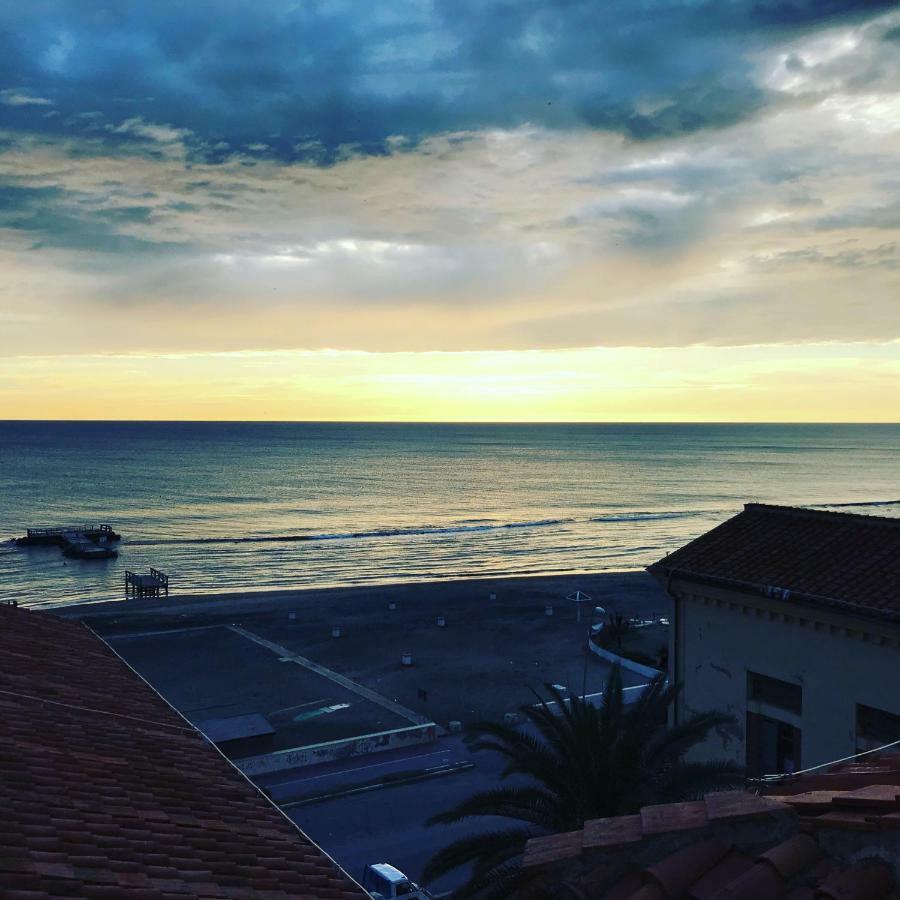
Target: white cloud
163,134
875,113
521,237
20,97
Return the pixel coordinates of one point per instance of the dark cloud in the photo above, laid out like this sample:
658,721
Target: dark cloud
884,256
880,217
305,80
694,107
53,217
801,13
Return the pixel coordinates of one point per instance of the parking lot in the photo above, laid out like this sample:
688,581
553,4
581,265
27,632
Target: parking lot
217,673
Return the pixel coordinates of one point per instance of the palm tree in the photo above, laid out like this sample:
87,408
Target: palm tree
574,763
615,628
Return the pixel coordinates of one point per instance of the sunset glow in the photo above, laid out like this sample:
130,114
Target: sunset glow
812,383
695,241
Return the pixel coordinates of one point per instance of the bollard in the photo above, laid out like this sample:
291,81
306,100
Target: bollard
406,659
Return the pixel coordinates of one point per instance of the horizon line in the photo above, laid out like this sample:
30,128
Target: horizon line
452,421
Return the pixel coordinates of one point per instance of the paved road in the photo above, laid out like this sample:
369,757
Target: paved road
326,778
388,825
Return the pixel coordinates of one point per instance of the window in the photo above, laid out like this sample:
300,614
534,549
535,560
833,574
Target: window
774,692
773,747
875,728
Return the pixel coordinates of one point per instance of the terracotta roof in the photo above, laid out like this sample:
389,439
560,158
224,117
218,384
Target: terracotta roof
732,846
835,558
867,770
105,791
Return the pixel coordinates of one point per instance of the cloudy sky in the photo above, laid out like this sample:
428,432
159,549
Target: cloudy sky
450,209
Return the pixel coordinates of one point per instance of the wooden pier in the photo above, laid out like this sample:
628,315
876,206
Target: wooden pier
78,542
153,585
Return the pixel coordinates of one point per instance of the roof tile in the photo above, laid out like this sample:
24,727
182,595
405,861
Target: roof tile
866,881
737,805
792,856
760,882
678,871
873,797
649,892
727,870
673,817
554,847
612,832
109,790
627,885
823,556
852,821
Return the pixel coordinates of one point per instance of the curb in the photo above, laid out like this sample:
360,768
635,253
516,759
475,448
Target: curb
423,775
623,661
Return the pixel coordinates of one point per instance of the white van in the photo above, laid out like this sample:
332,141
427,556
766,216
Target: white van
384,882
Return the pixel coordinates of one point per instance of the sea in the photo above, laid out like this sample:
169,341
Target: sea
241,507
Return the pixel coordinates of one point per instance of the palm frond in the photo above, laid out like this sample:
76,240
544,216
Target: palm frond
500,845
690,781
581,762
530,804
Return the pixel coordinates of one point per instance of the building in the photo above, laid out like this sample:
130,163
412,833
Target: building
789,619
106,791
833,837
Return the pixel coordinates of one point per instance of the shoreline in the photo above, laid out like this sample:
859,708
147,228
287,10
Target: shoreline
271,599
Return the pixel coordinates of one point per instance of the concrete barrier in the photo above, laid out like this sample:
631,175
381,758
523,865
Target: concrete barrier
637,668
330,751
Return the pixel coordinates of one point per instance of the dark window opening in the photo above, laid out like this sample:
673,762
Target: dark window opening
775,692
773,747
875,727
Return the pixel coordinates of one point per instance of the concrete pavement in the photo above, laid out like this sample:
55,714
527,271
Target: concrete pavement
388,825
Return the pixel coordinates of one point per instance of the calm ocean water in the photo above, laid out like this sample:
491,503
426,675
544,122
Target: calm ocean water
262,506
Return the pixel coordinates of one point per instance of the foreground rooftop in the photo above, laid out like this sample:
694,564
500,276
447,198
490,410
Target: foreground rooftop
839,842
106,791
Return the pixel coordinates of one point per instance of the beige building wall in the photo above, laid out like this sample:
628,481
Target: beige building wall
838,660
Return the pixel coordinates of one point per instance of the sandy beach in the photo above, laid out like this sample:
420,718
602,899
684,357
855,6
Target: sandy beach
486,660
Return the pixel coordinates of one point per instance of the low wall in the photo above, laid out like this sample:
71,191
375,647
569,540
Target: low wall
330,751
644,671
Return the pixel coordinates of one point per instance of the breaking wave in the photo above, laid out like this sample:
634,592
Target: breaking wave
351,535
468,527
858,505
652,516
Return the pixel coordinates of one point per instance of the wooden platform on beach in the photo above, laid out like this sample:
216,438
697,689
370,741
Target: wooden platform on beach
78,542
155,584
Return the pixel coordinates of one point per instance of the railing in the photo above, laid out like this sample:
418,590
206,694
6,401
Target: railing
54,532
157,583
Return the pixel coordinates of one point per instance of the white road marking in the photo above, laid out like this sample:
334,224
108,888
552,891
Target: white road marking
363,768
125,636
285,709
285,655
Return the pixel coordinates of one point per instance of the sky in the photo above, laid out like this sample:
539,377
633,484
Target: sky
631,210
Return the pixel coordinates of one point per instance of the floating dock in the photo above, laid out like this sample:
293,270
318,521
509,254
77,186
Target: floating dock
80,542
153,585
